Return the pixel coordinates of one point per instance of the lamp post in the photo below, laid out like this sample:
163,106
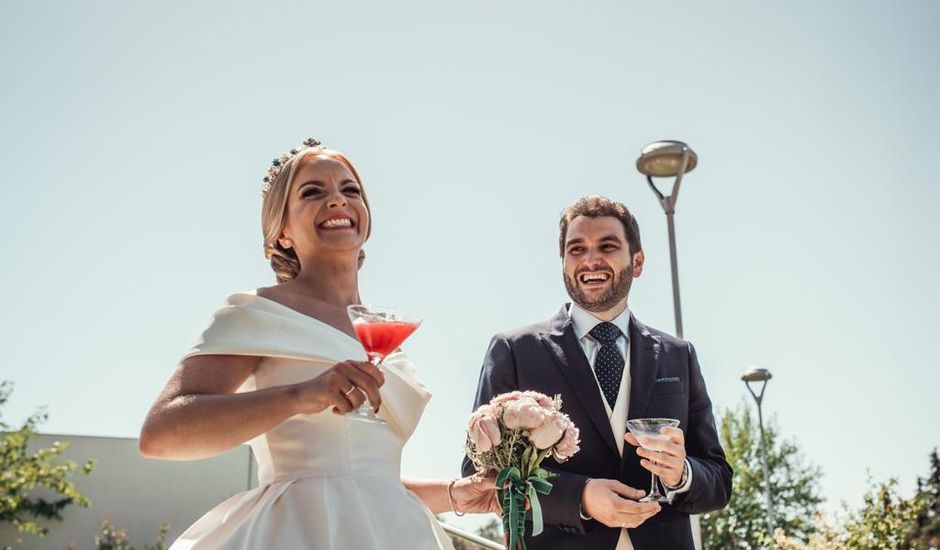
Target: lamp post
761,375
666,159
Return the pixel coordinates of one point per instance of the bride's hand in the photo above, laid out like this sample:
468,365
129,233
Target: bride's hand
476,494
344,387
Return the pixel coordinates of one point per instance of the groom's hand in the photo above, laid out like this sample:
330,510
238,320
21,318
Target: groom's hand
614,504
667,463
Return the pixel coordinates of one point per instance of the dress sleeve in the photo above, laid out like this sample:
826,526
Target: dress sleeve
402,385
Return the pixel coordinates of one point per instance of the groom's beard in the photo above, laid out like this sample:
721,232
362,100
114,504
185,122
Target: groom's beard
617,292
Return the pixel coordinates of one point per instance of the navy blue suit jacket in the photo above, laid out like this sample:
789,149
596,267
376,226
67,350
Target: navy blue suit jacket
666,381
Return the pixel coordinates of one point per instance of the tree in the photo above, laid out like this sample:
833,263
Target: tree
22,472
925,533
794,487
885,521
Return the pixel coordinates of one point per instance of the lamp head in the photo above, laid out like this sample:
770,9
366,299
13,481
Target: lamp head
663,159
756,375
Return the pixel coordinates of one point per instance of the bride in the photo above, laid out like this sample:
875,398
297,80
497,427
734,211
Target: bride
280,366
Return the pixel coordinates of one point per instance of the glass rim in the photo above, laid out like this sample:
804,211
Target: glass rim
378,310
650,421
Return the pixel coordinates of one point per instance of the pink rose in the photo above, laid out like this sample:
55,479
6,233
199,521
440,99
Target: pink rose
568,446
505,397
484,429
550,432
524,413
543,400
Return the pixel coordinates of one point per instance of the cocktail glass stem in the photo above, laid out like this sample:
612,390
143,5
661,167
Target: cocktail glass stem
654,489
365,411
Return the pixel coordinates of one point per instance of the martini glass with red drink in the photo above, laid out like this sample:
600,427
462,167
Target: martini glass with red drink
381,331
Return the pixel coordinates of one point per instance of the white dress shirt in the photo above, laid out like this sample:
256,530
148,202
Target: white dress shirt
582,322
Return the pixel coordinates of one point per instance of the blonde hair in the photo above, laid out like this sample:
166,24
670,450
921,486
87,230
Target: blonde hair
284,261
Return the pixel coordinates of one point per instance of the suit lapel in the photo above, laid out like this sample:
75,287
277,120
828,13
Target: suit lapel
574,367
644,362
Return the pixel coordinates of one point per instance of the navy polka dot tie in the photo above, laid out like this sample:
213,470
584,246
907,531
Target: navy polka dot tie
608,365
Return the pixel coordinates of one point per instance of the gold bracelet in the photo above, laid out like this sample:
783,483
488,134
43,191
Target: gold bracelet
450,497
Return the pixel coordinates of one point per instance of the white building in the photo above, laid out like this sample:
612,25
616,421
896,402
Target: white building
137,494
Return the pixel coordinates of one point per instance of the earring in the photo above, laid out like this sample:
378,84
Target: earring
287,243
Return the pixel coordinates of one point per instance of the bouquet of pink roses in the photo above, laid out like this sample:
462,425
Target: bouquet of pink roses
511,436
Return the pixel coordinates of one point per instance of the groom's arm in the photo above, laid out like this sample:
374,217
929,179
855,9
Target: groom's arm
711,474
561,507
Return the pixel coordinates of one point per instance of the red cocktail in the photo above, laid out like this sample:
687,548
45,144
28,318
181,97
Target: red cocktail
382,338
381,331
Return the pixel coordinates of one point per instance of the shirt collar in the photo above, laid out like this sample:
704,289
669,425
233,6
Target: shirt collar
583,321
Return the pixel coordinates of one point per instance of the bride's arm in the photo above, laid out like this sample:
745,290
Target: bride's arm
433,492
474,494
198,414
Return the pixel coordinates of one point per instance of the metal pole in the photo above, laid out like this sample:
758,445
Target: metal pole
675,272
669,207
763,456
759,398
479,541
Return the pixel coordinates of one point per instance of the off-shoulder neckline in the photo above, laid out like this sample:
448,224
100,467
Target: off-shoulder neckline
254,295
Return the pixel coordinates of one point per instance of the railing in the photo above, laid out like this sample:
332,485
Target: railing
479,541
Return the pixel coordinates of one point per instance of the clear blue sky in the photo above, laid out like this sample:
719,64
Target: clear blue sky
134,138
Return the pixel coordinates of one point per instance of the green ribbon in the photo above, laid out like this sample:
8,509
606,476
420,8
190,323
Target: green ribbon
512,501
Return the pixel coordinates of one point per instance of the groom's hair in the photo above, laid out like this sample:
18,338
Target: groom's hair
596,206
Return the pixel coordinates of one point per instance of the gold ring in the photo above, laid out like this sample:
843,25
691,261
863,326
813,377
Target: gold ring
352,389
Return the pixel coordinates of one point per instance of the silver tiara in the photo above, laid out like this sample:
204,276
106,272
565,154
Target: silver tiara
278,164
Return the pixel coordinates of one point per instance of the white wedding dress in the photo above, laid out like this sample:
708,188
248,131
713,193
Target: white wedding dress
325,481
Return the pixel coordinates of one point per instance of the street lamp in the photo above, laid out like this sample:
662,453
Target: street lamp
666,159
761,375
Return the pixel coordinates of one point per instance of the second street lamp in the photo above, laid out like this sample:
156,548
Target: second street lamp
666,159
761,375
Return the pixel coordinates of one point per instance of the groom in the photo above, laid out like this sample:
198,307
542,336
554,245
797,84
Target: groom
609,367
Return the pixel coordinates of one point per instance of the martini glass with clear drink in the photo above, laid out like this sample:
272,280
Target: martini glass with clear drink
648,432
381,331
